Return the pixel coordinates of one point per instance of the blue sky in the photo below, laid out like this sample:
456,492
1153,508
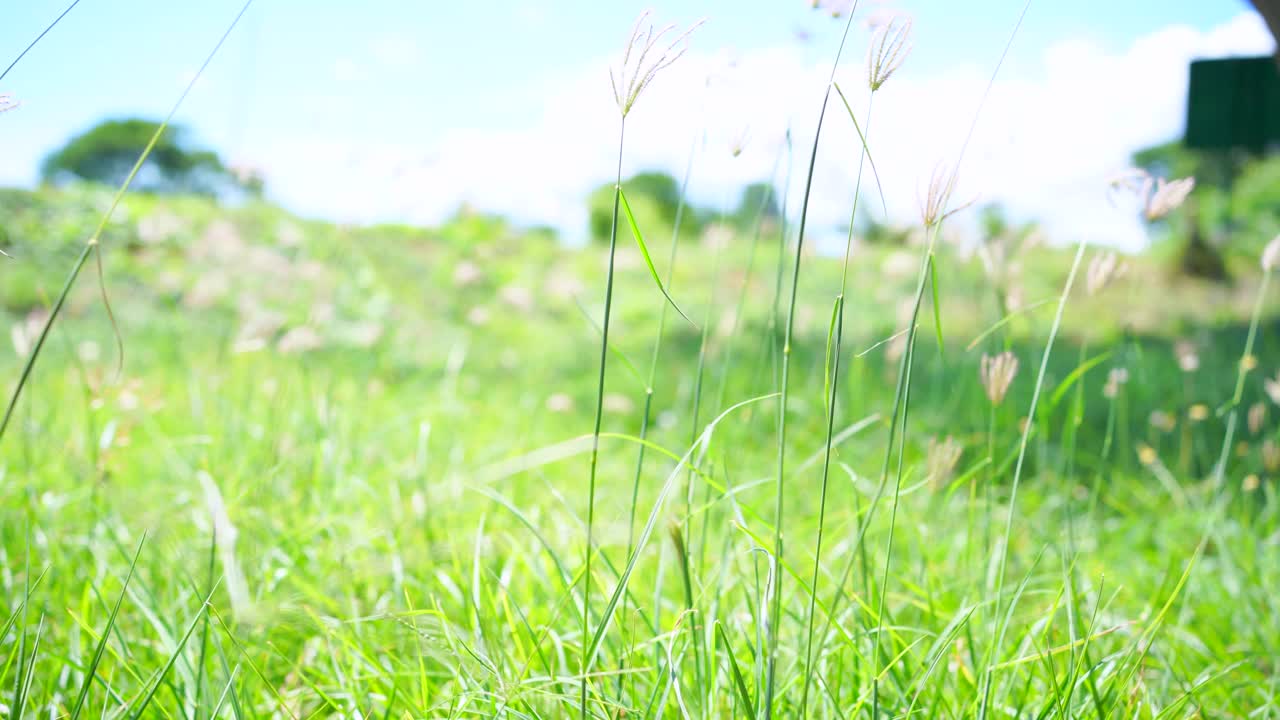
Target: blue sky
403,110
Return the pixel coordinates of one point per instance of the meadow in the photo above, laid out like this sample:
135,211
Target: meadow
312,470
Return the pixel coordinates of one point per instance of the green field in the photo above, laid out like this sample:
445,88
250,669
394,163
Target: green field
344,472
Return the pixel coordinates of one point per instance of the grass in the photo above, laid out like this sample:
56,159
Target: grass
388,520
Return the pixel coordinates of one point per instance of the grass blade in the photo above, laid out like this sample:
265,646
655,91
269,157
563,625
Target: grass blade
652,521
1065,386
831,349
173,658
937,305
739,683
884,207
644,250
92,670
39,37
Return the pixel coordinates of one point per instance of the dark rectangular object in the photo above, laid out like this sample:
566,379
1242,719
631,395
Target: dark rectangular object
1234,103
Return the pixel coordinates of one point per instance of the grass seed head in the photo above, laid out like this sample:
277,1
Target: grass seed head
739,141
648,52
941,460
997,374
934,209
1103,268
1115,380
890,46
1168,196
1271,254
1162,421
1157,196
1188,356
1270,455
1272,386
1257,417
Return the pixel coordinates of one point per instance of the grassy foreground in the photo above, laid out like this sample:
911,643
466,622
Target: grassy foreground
344,474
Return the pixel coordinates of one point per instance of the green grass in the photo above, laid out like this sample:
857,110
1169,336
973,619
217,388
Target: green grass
345,474
409,529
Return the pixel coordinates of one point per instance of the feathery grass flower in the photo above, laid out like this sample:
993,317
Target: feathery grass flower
1103,268
941,460
1158,196
648,52
889,49
1270,455
933,210
1272,387
7,102
1257,416
997,374
1168,196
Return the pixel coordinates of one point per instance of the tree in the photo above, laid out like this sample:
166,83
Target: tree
1270,12
655,196
759,202
107,152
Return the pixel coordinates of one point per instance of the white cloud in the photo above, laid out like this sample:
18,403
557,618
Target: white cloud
1049,136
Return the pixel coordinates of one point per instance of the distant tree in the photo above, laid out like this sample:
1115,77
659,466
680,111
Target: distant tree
884,234
758,202
657,192
1270,12
107,152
